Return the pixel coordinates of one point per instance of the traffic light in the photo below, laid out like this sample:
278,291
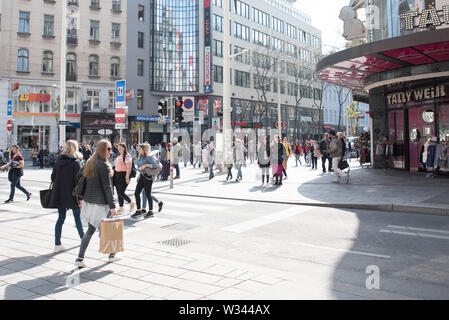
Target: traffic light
163,108
179,110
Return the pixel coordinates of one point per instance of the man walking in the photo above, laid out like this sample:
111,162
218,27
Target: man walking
336,152
211,159
325,149
176,155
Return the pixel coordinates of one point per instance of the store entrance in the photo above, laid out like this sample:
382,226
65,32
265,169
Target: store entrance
421,127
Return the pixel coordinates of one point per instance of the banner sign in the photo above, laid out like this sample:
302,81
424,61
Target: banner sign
207,47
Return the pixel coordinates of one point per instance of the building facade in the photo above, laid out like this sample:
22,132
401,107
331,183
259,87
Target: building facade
30,40
403,73
182,54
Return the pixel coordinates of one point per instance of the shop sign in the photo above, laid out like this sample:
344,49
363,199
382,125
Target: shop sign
428,17
207,47
35,97
417,95
246,124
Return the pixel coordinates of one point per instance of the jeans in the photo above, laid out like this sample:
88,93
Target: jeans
298,158
229,173
177,169
143,184
144,199
323,162
62,215
211,166
85,241
15,183
239,169
314,162
120,184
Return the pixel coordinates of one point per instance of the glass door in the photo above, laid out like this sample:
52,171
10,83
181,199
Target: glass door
421,128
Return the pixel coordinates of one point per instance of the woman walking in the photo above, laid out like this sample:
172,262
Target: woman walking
15,165
211,159
163,157
98,199
277,157
145,180
264,160
239,157
122,171
64,178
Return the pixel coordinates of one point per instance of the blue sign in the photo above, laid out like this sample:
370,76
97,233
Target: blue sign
208,89
9,108
188,104
120,92
150,119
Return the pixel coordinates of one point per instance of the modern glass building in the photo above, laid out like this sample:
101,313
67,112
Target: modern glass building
175,45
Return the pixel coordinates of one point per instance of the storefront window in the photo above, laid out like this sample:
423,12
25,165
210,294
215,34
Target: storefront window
30,137
71,104
444,122
94,97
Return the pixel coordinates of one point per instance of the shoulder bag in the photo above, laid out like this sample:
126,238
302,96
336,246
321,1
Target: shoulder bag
80,188
45,196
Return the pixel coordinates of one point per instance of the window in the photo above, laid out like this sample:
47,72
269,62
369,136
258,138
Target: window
116,5
71,105
240,8
95,3
282,85
244,57
139,99
292,89
261,38
95,30
242,79
261,17
47,62
111,99
44,107
140,37
115,32
278,25
291,31
262,83
290,49
140,65
278,44
241,31
261,60
24,22
218,3
71,67
22,60
49,25
140,12
218,74
94,97
115,67
218,48
93,66
218,23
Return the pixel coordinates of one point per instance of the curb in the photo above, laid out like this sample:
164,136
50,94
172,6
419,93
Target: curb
368,207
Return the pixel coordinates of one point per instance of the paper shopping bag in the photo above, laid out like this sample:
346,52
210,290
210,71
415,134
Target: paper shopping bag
111,236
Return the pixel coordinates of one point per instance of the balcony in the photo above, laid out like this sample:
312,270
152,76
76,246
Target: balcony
72,41
115,43
72,3
116,9
71,77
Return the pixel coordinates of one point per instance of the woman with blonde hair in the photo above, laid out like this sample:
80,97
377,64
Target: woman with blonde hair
98,199
64,178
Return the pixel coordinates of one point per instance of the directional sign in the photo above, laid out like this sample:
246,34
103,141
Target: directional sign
9,108
120,115
63,123
9,125
120,93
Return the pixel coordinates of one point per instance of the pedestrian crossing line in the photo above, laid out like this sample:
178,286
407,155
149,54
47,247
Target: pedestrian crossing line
414,234
177,198
195,206
180,213
157,221
419,229
341,250
264,220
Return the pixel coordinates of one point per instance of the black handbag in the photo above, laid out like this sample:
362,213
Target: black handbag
45,196
80,188
343,164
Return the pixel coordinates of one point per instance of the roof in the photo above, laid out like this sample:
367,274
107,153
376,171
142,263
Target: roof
352,68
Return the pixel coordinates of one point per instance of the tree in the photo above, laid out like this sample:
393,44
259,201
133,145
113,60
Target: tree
353,115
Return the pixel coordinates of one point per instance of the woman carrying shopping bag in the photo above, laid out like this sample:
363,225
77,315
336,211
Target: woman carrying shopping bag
98,199
64,178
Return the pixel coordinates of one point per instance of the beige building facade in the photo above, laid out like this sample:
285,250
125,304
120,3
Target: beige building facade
30,47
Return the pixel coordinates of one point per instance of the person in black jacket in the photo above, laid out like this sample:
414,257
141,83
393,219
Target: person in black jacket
98,199
277,158
64,178
264,160
325,151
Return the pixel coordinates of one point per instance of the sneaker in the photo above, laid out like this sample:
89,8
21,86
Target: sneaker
149,215
132,207
347,179
9,201
136,215
113,258
144,211
29,196
80,263
59,249
120,211
160,206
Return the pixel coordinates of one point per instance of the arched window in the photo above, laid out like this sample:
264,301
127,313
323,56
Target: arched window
115,67
71,67
47,62
93,66
22,60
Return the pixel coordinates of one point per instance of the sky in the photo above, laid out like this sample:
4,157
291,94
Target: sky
324,15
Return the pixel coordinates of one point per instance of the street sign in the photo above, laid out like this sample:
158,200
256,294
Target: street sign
120,115
9,108
119,126
63,123
188,104
189,109
9,125
120,93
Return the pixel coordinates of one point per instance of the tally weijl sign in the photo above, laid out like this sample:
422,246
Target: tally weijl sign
428,17
417,95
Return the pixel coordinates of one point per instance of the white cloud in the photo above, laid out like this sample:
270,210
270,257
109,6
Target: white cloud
324,15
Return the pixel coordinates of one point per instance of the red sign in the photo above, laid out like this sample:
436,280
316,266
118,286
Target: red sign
35,97
245,124
284,124
15,86
9,125
129,94
120,115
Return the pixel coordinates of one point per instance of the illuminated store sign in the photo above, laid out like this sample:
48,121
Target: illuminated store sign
428,17
417,95
35,97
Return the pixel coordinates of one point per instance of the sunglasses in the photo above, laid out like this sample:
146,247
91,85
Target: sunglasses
109,149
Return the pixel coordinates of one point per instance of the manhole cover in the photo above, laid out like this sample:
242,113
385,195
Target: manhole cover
179,227
174,242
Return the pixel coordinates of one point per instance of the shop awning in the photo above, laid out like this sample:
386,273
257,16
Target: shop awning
352,68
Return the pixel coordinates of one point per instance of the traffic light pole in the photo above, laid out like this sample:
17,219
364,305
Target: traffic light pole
171,113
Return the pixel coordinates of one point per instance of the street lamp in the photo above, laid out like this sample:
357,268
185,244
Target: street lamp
62,136
227,134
